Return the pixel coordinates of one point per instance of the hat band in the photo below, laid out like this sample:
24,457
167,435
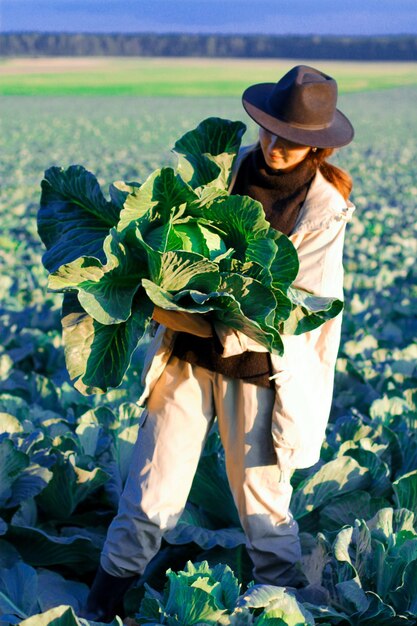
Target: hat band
306,126
283,119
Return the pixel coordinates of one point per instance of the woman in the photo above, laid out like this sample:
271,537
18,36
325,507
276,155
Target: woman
272,411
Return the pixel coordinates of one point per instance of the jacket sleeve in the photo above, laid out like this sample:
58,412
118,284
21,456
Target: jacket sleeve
304,375
320,253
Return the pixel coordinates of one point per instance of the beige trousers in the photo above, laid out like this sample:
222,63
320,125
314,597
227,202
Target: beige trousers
180,412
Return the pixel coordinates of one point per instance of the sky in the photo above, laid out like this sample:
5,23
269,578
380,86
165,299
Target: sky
300,17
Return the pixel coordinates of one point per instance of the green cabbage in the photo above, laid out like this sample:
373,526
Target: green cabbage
178,241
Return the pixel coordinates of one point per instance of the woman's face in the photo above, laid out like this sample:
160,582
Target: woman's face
281,154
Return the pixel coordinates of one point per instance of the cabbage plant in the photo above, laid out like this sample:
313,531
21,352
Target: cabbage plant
178,241
210,595
369,570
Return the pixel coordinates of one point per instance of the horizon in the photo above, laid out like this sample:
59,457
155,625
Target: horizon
208,34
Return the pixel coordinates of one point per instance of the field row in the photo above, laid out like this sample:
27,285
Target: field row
181,76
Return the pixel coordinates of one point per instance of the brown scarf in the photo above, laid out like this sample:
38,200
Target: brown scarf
281,193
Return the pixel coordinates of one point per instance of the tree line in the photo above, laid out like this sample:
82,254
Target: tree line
366,48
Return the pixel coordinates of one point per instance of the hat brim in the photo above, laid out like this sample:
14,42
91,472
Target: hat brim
339,133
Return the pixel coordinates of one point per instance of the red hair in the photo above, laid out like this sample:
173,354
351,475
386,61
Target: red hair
335,175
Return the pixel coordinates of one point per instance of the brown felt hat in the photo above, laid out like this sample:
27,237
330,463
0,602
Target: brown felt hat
300,107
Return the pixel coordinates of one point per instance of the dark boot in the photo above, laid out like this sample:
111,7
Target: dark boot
105,599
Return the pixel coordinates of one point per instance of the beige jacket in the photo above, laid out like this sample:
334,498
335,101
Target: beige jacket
304,375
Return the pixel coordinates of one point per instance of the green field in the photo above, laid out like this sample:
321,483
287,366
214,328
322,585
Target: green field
63,456
180,76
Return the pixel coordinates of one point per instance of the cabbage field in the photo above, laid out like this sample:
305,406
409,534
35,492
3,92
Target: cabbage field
64,456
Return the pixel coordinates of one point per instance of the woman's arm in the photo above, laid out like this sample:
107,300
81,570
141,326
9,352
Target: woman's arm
320,253
180,321
304,375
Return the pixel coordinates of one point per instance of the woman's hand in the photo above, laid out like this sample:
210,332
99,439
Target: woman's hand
192,323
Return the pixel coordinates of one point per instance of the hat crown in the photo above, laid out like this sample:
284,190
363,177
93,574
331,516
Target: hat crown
304,97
